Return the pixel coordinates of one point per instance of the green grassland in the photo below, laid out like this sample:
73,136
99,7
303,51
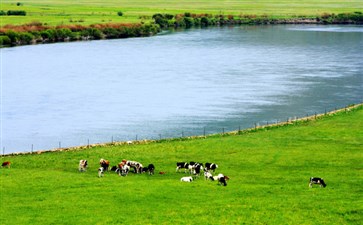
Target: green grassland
269,171
59,12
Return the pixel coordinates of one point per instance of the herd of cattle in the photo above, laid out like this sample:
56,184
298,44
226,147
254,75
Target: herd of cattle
195,170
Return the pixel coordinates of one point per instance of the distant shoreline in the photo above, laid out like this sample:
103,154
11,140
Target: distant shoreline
38,33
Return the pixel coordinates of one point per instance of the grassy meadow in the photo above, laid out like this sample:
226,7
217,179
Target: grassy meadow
86,12
269,171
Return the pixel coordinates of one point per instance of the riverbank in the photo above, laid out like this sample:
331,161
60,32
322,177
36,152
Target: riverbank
38,33
256,128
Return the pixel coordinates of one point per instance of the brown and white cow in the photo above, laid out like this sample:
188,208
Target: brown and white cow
83,165
104,164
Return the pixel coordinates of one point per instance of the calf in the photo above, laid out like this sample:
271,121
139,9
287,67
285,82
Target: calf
316,180
186,179
6,164
100,171
105,164
182,165
82,165
211,166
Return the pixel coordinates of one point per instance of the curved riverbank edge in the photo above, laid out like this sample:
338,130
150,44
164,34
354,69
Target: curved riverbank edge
289,122
38,33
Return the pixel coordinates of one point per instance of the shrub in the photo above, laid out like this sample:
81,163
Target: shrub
119,13
16,13
46,35
2,13
189,22
204,21
92,33
5,40
111,32
14,36
159,19
168,16
26,38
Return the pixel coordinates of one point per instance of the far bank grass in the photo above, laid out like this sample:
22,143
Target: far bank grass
269,171
86,12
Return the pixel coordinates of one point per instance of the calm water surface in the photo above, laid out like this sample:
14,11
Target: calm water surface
175,84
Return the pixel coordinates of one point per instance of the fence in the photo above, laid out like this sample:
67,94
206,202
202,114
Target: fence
203,133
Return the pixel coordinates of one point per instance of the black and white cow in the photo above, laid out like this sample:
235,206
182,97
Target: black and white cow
136,165
223,180
211,166
208,175
182,165
197,168
317,180
220,178
151,169
82,165
101,171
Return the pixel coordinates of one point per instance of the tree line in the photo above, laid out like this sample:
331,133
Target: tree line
188,20
37,33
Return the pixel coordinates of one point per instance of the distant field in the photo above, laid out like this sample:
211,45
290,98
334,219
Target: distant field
268,169
87,12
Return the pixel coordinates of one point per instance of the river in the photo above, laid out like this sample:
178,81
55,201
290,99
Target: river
178,83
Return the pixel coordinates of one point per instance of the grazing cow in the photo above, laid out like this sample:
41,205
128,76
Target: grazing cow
211,166
182,165
151,169
100,171
221,179
186,179
83,165
133,164
195,168
105,164
114,168
208,175
123,169
317,180
6,164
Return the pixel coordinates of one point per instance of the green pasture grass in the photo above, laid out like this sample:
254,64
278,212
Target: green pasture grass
269,172
58,12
